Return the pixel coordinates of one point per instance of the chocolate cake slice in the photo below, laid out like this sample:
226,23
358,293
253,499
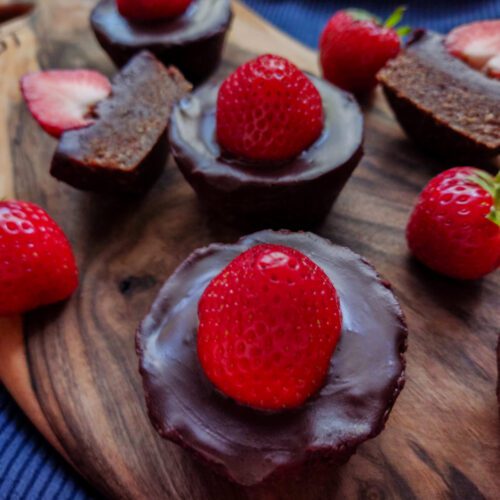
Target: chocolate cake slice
126,147
442,103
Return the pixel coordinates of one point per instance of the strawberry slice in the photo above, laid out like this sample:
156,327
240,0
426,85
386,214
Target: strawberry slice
61,100
476,43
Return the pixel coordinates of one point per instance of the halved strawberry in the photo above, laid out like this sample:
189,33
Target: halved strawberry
476,43
61,100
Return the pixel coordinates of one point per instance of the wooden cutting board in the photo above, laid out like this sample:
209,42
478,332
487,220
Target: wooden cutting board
73,368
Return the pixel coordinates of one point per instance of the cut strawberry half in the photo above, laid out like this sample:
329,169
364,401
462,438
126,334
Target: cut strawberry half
61,100
477,43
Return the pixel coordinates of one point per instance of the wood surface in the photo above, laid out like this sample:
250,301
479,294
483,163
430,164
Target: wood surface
73,368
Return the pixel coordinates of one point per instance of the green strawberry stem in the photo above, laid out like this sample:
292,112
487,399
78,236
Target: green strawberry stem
403,31
392,21
491,185
395,18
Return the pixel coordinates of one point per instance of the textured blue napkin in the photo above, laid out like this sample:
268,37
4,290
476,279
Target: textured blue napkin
304,19
29,468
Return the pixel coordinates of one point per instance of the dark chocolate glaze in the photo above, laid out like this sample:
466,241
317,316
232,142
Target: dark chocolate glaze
248,446
126,148
300,192
443,104
192,42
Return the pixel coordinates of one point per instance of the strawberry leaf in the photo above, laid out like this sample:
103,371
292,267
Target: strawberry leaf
396,17
403,31
494,216
363,15
492,186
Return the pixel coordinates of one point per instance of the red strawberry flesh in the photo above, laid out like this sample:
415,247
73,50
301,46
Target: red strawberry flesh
269,323
61,100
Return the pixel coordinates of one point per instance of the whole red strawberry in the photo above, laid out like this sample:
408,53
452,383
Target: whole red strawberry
355,45
269,323
151,10
37,266
455,226
268,110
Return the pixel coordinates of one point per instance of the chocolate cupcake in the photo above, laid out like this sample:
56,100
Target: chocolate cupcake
290,191
250,445
192,41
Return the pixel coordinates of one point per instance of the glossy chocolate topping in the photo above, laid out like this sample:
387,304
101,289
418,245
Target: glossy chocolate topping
441,102
365,377
306,185
191,41
193,132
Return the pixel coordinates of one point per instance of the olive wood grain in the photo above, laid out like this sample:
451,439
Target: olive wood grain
73,369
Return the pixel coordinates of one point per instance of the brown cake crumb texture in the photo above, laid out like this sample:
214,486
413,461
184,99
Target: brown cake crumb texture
445,89
130,122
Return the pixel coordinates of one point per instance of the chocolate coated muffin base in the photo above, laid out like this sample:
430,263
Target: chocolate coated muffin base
192,42
294,195
250,446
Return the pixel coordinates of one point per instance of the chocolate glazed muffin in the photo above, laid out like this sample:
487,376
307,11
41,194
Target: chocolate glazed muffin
443,104
295,194
249,446
192,42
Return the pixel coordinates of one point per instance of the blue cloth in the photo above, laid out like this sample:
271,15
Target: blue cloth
29,468
304,19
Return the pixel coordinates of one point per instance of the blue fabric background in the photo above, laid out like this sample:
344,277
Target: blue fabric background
29,468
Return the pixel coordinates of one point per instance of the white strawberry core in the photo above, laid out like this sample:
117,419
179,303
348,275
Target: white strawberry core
76,99
479,52
493,66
